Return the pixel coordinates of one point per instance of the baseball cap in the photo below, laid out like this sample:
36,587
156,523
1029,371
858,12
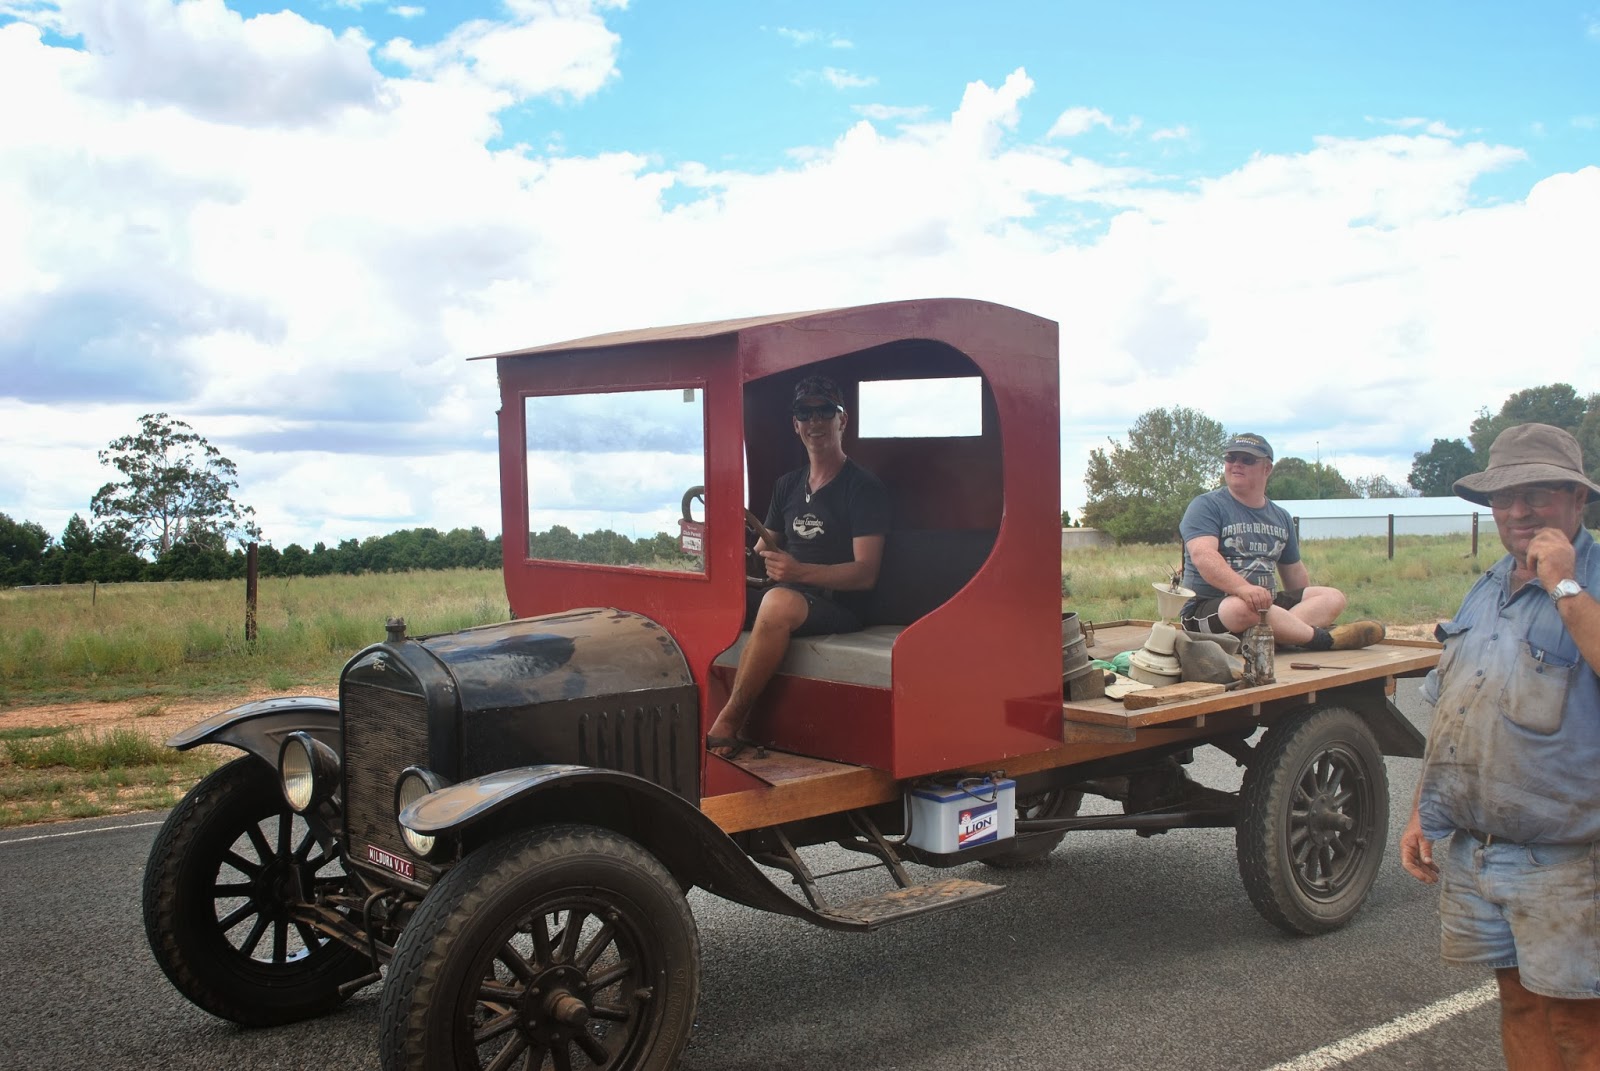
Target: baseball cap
1248,443
819,387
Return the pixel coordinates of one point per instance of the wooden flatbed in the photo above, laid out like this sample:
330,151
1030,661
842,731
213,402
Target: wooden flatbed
798,786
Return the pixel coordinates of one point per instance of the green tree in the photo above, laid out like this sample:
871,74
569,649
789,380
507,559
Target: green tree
1556,404
1379,486
1295,479
22,547
1138,492
176,489
1435,470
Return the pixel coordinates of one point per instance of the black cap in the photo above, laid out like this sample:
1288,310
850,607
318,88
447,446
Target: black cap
819,387
1249,443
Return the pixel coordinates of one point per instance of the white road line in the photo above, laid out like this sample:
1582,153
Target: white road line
1330,1056
79,832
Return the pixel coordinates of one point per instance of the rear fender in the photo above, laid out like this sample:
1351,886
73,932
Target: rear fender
689,844
1395,734
259,728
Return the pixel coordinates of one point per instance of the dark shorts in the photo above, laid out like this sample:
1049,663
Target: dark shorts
1200,615
824,615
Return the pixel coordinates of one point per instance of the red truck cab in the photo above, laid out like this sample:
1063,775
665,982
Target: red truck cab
961,660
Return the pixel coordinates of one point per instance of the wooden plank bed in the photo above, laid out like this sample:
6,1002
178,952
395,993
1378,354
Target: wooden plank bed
800,787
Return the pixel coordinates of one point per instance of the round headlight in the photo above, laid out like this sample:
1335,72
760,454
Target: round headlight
309,770
415,783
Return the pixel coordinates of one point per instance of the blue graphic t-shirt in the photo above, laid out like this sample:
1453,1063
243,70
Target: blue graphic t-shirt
1254,542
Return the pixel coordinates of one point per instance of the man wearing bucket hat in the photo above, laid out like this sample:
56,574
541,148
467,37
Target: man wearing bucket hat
1237,543
822,543
1508,809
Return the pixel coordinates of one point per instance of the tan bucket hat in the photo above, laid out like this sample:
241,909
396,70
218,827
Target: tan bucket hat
1527,453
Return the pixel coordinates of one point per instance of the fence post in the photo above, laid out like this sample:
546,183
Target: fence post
1391,537
1297,529
250,594
1474,533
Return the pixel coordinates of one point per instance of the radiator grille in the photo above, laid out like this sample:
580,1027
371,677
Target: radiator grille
384,732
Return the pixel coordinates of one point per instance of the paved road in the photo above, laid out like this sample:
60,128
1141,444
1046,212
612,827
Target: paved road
1122,953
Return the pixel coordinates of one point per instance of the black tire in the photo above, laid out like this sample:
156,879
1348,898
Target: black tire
569,944
1033,849
218,889
1313,820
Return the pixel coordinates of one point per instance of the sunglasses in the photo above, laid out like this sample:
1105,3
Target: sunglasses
1535,497
1243,459
826,411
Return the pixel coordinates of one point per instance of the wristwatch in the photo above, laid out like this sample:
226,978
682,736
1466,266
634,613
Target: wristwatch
1564,589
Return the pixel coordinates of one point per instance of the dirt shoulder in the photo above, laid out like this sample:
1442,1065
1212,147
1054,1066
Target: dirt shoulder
157,718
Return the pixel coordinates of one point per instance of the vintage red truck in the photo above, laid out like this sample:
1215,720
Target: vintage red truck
502,823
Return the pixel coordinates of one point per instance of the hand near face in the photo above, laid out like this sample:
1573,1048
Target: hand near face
1551,557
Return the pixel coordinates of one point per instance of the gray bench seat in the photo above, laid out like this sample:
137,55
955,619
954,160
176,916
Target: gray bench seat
922,569
847,658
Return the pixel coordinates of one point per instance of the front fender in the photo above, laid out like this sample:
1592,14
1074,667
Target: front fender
688,843
259,727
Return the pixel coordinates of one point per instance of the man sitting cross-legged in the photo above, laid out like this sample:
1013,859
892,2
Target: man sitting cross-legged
1237,543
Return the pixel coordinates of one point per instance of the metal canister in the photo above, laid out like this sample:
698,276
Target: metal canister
1256,649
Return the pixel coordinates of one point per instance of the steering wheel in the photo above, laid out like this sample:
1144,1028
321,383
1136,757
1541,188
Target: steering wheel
755,568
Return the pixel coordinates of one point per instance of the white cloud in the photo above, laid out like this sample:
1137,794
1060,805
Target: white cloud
548,47
841,79
407,11
1432,127
305,292
1076,121
1171,133
801,38
210,62
890,112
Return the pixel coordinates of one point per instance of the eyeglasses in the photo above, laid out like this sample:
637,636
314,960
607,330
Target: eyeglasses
1243,459
1535,497
826,411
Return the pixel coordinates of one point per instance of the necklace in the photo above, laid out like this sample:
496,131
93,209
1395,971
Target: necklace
818,491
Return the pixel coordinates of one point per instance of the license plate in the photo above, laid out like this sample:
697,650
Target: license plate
390,862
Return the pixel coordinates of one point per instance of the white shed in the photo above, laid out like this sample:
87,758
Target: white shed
1343,518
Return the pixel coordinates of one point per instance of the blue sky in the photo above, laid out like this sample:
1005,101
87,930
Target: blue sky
1348,227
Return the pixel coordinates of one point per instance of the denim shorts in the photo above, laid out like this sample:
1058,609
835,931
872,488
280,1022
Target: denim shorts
1529,906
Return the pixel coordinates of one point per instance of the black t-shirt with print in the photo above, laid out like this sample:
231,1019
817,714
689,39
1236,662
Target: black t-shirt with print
819,528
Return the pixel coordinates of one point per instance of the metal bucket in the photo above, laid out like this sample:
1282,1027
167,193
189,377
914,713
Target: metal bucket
1074,649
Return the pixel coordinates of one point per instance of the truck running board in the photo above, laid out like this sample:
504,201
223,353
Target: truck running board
871,912
907,900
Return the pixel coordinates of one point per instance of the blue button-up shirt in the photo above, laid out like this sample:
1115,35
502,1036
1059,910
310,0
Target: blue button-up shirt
1514,750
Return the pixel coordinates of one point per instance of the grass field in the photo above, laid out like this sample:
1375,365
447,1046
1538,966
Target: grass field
53,774
121,641
1424,582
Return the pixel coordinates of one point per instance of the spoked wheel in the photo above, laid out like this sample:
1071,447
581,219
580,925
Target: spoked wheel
1033,849
567,947
1314,816
226,874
